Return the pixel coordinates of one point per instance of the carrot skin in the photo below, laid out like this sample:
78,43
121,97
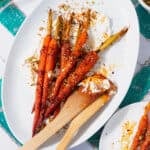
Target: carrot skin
146,144
71,62
65,53
50,65
73,79
40,80
142,137
141,131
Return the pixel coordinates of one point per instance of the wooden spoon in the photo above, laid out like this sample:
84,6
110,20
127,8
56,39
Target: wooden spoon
74,105
80,120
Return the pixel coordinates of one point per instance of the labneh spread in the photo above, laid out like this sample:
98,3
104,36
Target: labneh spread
94,84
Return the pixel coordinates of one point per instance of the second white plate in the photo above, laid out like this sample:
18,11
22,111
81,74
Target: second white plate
114,135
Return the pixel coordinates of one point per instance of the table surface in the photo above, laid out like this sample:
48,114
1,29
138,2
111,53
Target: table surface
5,141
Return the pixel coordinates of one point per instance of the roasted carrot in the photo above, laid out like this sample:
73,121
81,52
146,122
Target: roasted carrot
65,53
64,92
53,50
140,133
68,67
56,112
50,65
81,40
82,35
47,39
52,53
40,78
112,39
73,79
52,56
66,47
146,143
67,28
143,127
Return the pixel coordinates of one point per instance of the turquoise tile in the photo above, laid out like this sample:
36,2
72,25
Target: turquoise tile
3,2
139,87
0,93
3,122
12,18
135,2
94,140
144,20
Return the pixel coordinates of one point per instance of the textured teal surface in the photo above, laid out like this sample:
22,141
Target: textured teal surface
11,17
0,90
139,87
144,20
135,2
3,2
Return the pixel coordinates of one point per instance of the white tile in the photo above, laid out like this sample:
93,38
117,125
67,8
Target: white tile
144,52
6,142
27,6
6,41
2,67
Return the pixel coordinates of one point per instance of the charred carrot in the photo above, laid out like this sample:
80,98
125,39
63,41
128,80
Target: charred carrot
66,47
50,65
146,143
53,50
68,67
48,77
46,41
73,79
51,59
81,40
64,92
141,132
56,112
112,39
82,35
40,78
65,52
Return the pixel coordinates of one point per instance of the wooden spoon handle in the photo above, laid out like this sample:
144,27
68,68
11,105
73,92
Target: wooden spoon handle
73,106
81,119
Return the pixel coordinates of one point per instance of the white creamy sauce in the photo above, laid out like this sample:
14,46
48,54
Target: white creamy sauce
99,31
100,25
95,85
